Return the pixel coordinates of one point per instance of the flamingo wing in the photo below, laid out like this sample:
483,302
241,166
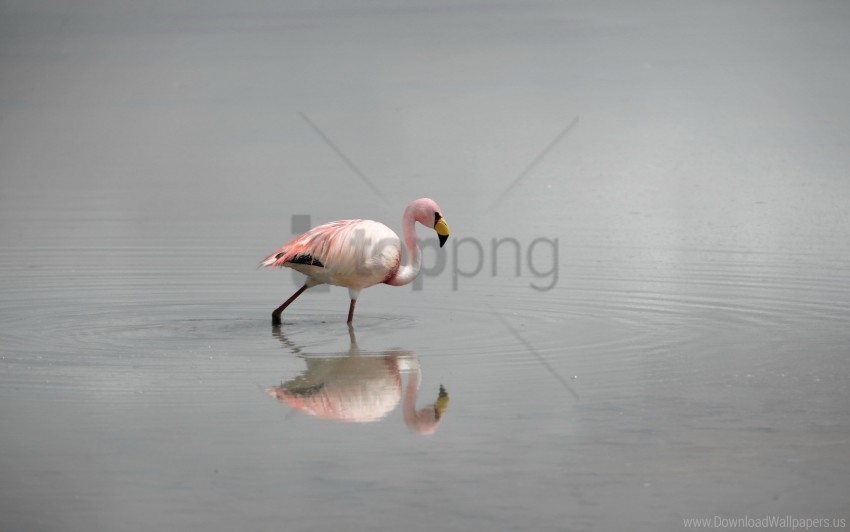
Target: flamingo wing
311,248
353,253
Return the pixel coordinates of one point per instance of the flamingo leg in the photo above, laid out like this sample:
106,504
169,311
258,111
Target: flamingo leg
351,311
278,310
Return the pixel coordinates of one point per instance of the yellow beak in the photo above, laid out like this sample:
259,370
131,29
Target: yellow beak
442,402
442,229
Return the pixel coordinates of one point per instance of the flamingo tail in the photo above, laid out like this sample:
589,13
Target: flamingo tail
285,255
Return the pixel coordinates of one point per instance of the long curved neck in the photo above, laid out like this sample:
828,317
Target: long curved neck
408,272
424,421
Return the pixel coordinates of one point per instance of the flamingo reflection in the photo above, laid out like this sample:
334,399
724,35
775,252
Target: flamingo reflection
359,386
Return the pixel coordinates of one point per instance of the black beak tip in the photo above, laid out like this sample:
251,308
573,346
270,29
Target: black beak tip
443,239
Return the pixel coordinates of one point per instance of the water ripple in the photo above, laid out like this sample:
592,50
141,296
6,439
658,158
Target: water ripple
156,313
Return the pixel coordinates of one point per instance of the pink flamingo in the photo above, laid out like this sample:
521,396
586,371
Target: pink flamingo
358,254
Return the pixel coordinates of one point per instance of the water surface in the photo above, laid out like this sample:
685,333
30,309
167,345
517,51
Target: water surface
674,345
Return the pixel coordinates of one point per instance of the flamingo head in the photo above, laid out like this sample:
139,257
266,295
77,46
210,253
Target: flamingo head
427,212
426,420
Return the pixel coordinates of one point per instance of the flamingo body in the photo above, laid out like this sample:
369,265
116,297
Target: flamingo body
357,254
352,253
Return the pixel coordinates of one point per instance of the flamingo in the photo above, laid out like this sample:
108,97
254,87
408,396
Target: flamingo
358,254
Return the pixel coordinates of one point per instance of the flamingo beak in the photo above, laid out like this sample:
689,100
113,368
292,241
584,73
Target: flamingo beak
442,229
442,403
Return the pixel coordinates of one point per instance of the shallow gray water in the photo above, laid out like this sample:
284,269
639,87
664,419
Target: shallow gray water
642,315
